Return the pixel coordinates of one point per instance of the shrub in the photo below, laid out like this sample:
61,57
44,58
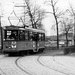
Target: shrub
69,49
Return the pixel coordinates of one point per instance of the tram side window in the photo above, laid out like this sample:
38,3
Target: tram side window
44,36
26,36
40,37
30,36
11,34
35,36
21,35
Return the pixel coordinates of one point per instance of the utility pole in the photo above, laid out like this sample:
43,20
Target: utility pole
0,21
0,12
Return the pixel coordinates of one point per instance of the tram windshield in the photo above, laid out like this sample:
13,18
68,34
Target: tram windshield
11,34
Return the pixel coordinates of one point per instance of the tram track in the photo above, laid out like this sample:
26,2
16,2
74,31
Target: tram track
54,59
23,70
0,68
12,67
70,62
17,62
53,68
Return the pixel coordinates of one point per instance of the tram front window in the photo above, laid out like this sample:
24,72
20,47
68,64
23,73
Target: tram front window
11,34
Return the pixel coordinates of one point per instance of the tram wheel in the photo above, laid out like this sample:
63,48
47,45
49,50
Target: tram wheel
28,52
10,54
21,53
41,50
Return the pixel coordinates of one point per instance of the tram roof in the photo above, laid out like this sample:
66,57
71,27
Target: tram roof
26,28
32,29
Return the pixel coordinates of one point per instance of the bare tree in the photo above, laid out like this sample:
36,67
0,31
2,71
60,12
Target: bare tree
36,14
33,14
56,15
66,27
72,12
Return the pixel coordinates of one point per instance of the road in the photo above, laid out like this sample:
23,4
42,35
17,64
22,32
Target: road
46,63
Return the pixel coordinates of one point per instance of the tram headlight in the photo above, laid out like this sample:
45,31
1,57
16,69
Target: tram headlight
13,46
33,44
38,44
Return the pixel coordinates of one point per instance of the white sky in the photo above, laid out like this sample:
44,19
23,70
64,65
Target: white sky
7,8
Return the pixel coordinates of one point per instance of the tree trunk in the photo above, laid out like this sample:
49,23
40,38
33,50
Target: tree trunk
57,31
66,39
56,26
57,35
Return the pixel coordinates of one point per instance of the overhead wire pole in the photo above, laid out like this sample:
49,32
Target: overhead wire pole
1,38
0,12
0,21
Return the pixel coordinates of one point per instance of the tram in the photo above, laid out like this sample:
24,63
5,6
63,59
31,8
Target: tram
22,40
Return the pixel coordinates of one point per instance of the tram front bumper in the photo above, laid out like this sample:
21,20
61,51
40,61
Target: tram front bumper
9,51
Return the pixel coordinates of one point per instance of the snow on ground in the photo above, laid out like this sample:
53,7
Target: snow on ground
59,63
8,67
47,63
35,68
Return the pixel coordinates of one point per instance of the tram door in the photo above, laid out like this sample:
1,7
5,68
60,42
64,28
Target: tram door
1,38
36,41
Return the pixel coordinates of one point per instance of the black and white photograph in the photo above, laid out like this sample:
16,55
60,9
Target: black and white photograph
37,37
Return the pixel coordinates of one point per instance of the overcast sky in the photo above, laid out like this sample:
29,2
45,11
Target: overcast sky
7,8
